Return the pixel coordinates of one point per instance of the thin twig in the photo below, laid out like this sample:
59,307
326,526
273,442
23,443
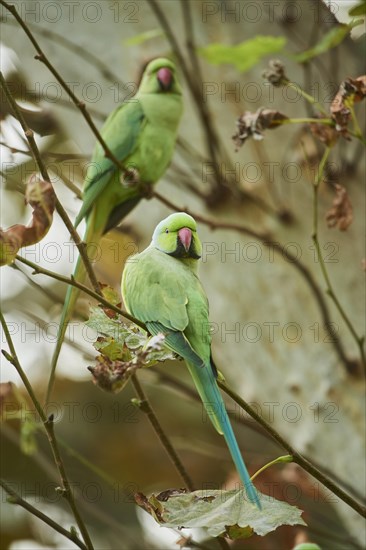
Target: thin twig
330,290
309,98
286,254
50,154
42,461
210,222
29,134
16,499
297,457
72,282
49,427
147,408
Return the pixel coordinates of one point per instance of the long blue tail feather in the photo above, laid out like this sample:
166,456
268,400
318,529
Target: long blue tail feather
215,407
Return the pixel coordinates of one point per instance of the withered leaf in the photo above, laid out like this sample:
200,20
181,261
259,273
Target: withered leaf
222,513
351,90
341,213
111,375
325,133
41,197
151,505
275,73
165,495
253,124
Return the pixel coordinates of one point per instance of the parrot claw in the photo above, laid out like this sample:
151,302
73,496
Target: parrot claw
130,178
146,190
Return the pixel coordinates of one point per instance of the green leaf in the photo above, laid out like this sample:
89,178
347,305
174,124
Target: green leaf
330,40
244,55
28,442
360,9
138,39
220,512
123,349
111,349
105,325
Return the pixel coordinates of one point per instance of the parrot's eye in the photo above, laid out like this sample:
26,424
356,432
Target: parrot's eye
167,231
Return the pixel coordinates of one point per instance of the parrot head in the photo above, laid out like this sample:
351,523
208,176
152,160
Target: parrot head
177,236
160,77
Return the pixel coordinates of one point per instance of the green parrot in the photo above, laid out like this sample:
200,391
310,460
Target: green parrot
161,288
141,133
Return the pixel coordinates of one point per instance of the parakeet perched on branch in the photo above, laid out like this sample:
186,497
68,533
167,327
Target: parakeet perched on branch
161,288
141,133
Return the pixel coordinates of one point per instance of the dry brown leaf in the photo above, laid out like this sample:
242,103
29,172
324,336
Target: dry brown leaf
253,124
351,90
341,213
41,197
325,133
275,73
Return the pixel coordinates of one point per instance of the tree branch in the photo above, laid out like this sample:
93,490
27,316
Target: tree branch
146,407
297,457
70,281
49,427
16,499
330,290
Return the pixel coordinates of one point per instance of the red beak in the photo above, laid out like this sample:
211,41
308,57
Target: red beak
185,237
165,78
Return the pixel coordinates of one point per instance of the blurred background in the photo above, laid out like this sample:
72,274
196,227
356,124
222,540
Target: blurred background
270,313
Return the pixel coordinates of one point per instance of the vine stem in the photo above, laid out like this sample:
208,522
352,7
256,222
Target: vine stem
297,457
329,287
278,460
16,499
303,120
29,134
49,427
146,407
308,97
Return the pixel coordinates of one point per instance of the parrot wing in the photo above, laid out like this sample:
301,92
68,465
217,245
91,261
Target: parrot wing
121,133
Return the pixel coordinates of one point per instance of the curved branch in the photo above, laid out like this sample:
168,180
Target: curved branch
16,499
297,457
71,281
148,410
360,340
49,428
